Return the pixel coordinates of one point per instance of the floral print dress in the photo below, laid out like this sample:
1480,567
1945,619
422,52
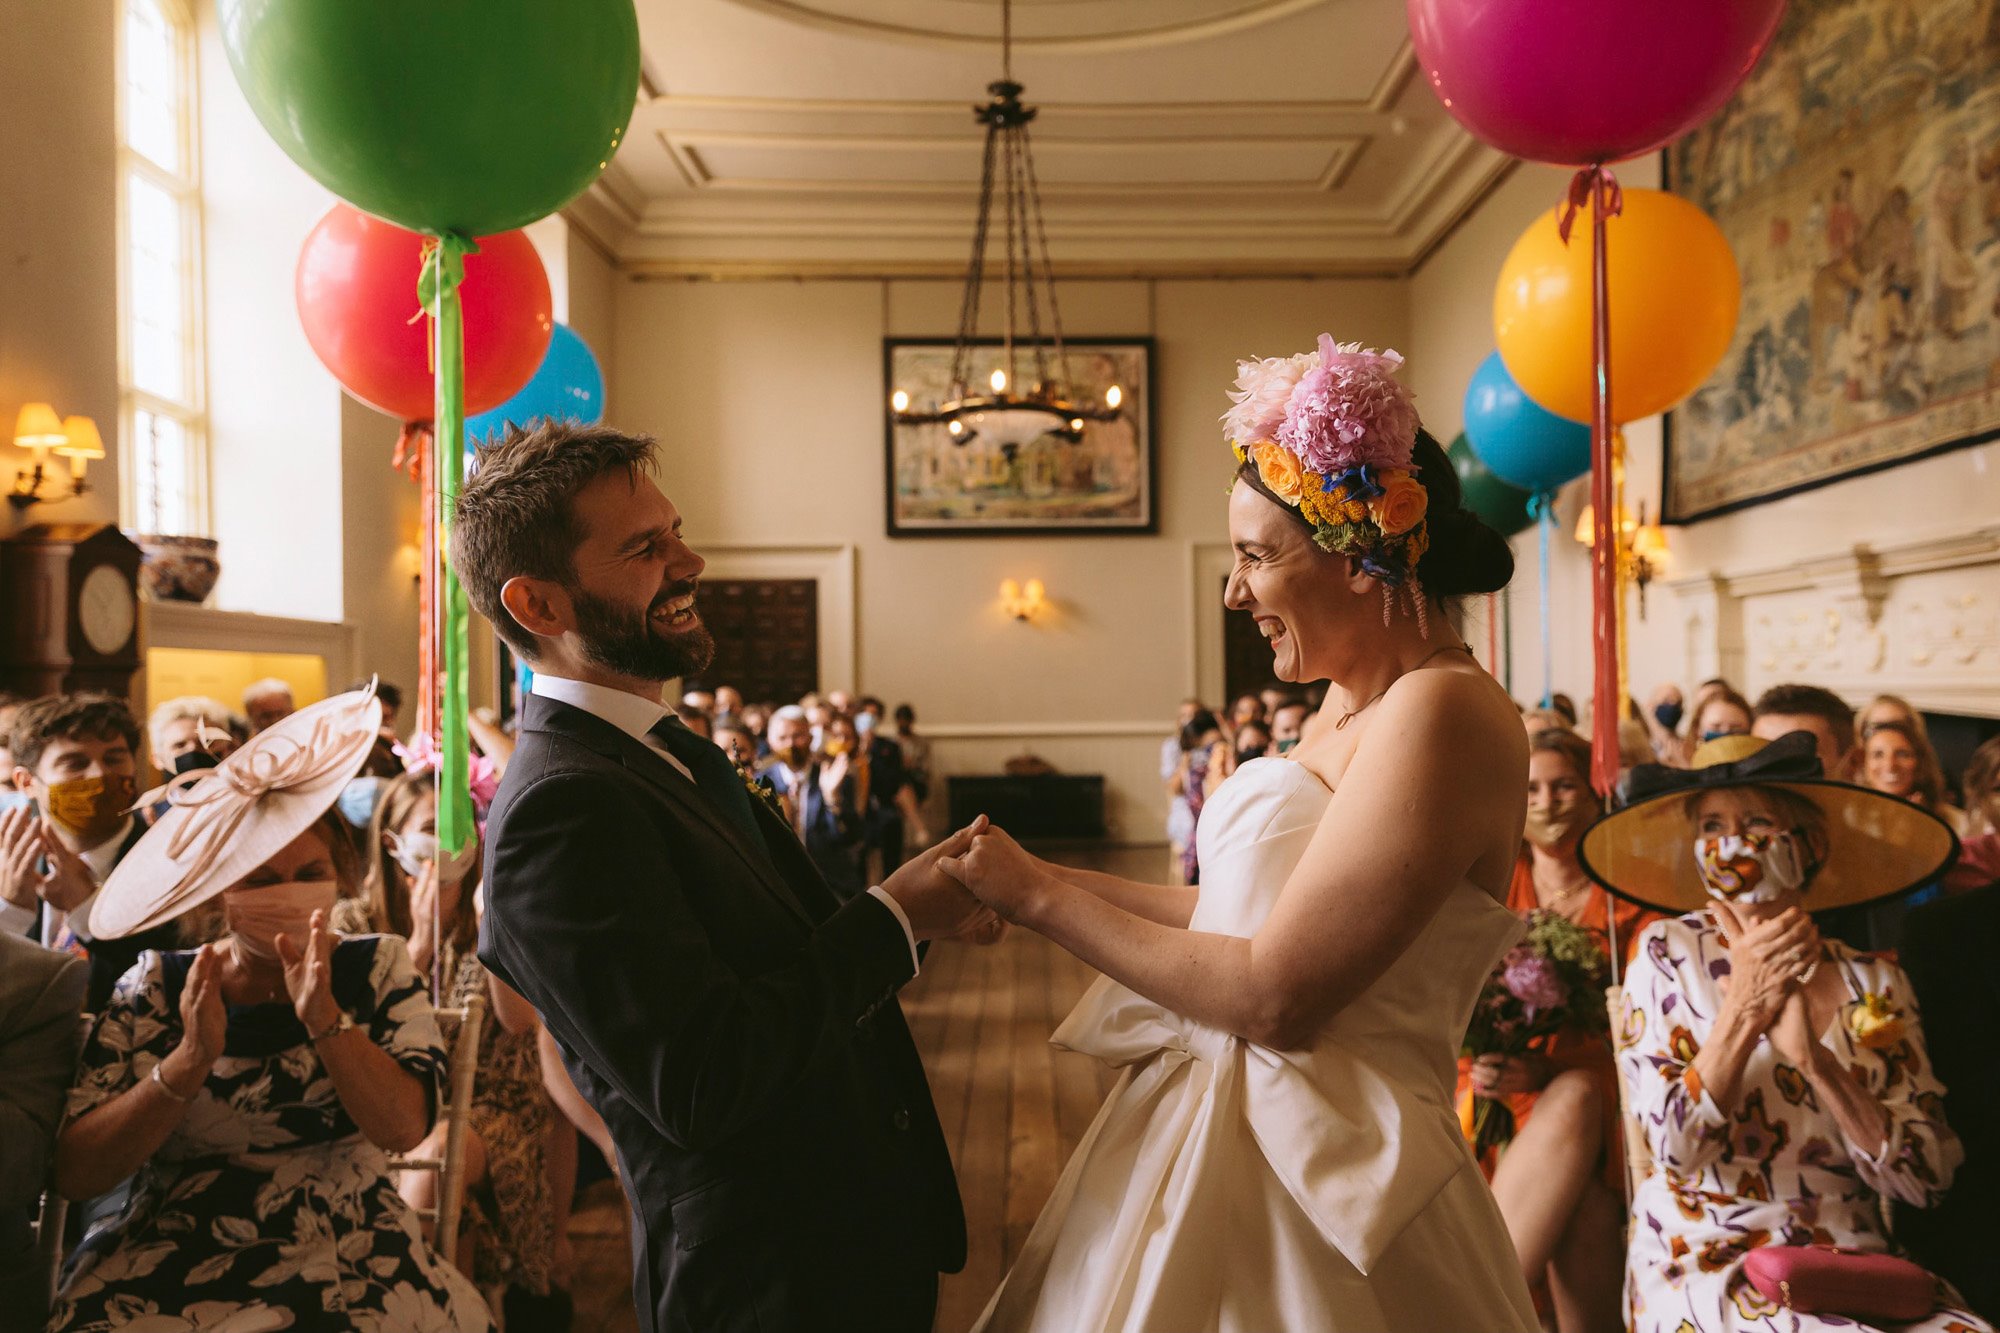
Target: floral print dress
266,1209
1775,1170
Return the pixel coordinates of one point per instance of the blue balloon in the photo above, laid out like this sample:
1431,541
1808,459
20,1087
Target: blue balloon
567,386
1519,440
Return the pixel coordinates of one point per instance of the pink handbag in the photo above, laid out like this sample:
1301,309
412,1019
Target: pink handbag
1826,1279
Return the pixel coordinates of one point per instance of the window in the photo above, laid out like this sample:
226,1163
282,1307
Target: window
163,442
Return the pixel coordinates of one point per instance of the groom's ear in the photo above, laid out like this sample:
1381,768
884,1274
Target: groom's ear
540,606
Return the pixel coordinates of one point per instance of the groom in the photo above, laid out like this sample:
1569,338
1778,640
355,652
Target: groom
735,1024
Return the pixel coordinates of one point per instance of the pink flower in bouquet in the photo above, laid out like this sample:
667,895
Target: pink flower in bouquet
1534,981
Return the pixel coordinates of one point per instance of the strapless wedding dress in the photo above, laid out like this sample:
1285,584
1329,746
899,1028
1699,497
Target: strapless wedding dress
1229,1187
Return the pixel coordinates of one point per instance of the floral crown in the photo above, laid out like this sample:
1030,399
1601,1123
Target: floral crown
1333,434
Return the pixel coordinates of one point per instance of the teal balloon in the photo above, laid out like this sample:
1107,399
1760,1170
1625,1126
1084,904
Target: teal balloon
1524,443
468,116
567,386
1502,507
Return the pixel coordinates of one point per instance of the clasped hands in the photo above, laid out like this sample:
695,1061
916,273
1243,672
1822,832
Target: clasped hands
969,886
1764,985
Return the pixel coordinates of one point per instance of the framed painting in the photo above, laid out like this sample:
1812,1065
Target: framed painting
1856,175
941,485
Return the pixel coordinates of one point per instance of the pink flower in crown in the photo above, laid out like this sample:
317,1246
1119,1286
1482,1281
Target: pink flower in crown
1263,388
1351,409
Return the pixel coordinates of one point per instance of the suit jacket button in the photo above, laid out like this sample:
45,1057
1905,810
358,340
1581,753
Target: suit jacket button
901,1120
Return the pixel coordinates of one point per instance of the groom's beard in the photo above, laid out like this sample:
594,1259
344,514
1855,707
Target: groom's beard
641,646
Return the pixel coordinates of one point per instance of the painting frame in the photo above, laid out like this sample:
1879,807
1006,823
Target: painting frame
1841,352
901,443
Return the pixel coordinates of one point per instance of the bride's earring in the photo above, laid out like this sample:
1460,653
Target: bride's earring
1417,599
1388,605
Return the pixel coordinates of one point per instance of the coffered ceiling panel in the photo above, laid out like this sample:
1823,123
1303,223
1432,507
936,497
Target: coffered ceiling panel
1174,136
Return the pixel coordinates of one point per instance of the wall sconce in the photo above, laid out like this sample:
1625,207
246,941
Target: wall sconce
82,446
1022,601
1642,546
37,429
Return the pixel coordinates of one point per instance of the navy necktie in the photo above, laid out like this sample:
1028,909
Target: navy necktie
714,774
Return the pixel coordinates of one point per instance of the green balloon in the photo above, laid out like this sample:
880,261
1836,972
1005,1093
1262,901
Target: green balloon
1501,506
468,116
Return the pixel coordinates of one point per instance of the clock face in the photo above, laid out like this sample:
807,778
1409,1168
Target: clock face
105,610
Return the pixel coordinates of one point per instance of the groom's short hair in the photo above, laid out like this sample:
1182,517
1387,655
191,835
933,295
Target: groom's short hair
516,515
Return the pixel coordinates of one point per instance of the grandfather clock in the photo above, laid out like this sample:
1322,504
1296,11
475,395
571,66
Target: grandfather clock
69,610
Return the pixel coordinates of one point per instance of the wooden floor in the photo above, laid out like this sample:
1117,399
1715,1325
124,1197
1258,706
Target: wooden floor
1013,1107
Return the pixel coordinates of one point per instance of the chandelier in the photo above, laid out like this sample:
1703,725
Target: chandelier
1002,407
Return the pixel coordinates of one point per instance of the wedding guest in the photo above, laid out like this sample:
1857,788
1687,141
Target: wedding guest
1253,741
390,697
1723,713
696,719
76,757
1204,759
916,752
189,726
1560,1181
430,899
1538,720
728,702
840,702
1635,744
1891,708
1709,688
1663,717
737,742
1947,950
756,719
1783,709
1564,707
1982,790
818,800
256,1085
879,773
1781,1078
1897,760
266,703
1180,814
1248,708
1273,698
41,999
1288,726
10,707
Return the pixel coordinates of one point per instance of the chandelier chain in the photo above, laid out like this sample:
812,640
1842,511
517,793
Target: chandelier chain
1048,269
968,310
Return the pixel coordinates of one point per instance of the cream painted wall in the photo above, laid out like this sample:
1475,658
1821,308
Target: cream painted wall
1451,332
768,401
58,236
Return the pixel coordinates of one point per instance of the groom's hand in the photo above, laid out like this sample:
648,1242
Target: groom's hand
936,904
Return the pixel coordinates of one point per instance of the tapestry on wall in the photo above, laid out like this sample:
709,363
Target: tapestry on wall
1857,177
965,485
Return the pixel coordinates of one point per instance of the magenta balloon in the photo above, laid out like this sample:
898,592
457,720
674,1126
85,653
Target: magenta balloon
1577,82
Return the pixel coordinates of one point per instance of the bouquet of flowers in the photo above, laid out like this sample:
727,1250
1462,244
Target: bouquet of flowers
1551,982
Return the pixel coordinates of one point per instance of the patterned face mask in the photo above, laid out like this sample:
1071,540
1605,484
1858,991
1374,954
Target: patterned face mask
92,808
1751,868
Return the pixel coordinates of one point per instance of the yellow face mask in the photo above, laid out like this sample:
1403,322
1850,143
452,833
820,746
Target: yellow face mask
836,748
92,809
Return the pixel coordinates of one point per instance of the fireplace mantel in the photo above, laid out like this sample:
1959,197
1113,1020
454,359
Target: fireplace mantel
1920,619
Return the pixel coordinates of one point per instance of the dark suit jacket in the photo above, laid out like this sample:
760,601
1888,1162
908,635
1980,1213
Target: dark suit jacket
736,1027
41,1008
833,832
1947,950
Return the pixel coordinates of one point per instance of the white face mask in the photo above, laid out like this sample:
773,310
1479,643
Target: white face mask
1752,868
414,851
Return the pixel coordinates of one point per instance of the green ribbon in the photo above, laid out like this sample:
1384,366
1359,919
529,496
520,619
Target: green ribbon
437,288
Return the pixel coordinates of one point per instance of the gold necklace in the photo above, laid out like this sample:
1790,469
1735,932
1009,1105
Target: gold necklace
1352,713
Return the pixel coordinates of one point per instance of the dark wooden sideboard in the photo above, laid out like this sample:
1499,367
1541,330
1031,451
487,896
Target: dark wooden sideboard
1045,806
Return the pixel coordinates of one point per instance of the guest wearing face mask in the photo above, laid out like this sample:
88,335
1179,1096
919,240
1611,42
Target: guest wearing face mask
1723,713
1559,1181
510,1241
818,798
76,759
1780,1078
1663,724
879,771
255,1085
1288,726
1253,741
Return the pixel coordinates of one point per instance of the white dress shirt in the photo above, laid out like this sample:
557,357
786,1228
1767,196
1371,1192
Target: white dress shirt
636,717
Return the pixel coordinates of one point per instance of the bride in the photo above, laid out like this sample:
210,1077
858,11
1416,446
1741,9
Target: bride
1281,1152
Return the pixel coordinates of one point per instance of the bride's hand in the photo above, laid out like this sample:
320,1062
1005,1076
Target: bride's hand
1000,873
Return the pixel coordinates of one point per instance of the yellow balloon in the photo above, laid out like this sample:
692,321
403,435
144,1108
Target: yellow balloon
1674,293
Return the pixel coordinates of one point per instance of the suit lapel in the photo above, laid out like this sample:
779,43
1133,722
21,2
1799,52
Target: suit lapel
636,758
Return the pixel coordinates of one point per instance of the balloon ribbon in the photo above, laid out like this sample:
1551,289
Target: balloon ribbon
1598,188
416,458
1543,507
437,288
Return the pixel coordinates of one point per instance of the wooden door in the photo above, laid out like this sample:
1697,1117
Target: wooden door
766,637
1246,659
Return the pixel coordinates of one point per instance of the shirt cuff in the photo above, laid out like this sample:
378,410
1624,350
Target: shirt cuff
881,895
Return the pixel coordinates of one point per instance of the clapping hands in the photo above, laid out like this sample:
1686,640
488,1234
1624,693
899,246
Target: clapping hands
25,840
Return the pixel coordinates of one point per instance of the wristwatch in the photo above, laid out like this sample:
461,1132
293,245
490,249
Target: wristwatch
345,1023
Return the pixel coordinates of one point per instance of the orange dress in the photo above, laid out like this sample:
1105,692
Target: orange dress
1568,1050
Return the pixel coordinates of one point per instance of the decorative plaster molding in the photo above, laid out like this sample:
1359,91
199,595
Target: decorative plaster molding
1140,35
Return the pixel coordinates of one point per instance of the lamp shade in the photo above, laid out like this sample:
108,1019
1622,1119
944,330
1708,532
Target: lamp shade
38,427
81,439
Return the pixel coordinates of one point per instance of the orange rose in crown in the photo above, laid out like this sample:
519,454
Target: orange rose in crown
1278,468
1400,506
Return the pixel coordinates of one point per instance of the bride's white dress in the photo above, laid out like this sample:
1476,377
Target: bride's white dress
1229,1187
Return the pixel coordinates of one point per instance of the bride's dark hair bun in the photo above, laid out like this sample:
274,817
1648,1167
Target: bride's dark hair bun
1466,557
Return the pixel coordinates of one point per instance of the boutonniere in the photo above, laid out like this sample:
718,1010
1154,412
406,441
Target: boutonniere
762,791
1875,1023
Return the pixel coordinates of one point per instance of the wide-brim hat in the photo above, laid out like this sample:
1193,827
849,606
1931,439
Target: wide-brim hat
234,817
1878,846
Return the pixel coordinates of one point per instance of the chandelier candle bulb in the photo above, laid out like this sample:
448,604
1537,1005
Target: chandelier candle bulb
1113,396
900,401
999,381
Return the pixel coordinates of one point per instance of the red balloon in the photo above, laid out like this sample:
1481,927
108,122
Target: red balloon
1583,82
357,296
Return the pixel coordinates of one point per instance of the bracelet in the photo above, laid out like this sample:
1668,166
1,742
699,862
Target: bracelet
171,1094
344,1023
